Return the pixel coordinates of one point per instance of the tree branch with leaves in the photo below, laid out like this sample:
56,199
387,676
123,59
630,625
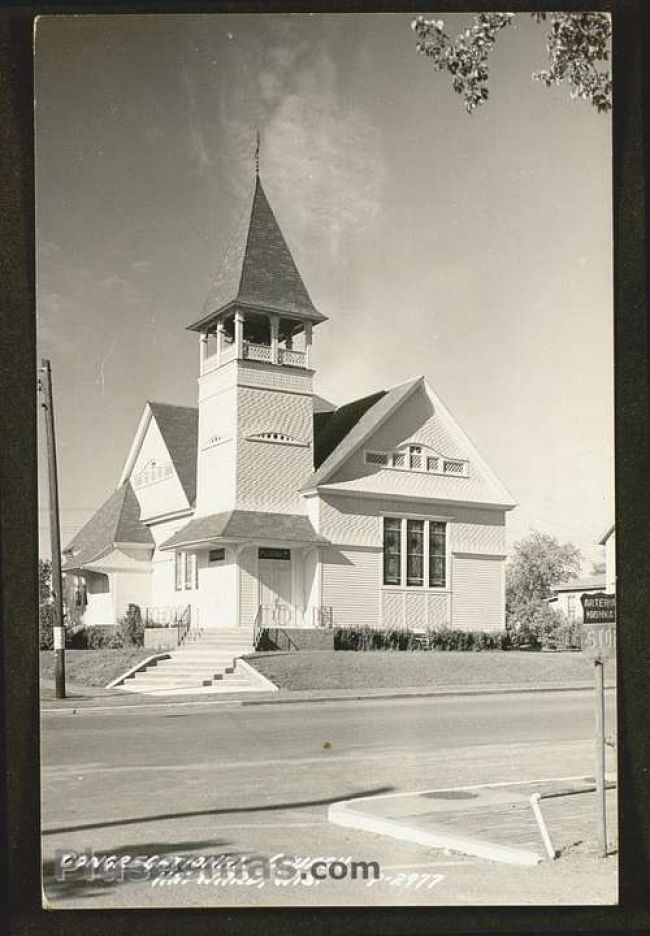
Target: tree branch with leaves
578,47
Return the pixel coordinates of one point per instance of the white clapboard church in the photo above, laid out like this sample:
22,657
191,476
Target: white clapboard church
265,505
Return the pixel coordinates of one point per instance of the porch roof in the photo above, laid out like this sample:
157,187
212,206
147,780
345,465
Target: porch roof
116,522
243,525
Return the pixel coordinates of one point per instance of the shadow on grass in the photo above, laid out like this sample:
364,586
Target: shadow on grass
227,810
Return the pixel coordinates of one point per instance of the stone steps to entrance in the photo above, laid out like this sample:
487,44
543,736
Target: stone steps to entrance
210,662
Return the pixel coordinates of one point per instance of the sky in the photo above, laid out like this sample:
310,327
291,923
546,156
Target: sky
475,250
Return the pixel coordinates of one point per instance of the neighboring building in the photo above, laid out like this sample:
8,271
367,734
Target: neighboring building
608,540
380,512
566,597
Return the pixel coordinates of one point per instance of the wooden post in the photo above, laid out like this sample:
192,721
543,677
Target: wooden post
239,334
274,321
45,386
599,685
307,344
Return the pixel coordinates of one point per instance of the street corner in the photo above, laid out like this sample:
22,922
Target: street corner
500,823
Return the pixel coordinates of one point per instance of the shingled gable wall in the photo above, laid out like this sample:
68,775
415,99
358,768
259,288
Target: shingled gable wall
166,495
352,566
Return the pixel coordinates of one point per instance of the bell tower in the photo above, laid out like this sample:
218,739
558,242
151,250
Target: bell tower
255,441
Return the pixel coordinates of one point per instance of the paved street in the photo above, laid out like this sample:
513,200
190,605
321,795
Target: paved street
214,779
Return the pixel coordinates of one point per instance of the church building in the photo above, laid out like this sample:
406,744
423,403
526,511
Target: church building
266,505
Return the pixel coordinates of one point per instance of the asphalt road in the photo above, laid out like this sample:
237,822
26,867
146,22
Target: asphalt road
215,779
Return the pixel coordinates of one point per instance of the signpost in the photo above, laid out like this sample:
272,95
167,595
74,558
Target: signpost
599,644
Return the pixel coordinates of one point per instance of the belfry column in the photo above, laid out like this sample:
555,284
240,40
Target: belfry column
219,340
239,334
275,328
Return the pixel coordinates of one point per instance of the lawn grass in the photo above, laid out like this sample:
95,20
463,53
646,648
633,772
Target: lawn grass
390,669
93,667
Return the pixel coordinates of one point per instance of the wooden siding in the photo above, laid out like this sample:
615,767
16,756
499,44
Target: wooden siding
414,608
248,587
351,586
356,521
417,422
478,601
163,496
270,474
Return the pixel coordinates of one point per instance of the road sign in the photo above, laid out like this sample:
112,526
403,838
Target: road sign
599,641
599,632
599,608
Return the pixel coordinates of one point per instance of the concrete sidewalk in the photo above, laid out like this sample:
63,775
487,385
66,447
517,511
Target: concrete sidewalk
495,822
86,697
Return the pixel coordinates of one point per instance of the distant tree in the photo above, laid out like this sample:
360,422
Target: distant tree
578,46
538,563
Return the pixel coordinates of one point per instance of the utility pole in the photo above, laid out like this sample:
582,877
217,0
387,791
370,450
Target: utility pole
45,388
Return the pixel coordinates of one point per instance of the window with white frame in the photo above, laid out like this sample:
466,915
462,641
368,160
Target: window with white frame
415,552
571,608
186,571
392,551
418,458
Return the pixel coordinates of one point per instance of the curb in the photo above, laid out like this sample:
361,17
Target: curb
142,665
235,697
342,814
265,684
427,693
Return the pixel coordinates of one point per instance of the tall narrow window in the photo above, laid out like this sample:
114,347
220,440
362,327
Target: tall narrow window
415,552
415,457
392,551
437,554
178,570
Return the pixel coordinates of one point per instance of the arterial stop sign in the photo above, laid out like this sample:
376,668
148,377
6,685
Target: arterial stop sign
599,631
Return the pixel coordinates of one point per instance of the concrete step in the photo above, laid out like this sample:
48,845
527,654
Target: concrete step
191,670
207,654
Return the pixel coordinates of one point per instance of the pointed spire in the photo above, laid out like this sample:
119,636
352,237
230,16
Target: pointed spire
257,154
259,270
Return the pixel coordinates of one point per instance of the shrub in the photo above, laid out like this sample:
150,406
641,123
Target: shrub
537,624
130,630
445,638
45,622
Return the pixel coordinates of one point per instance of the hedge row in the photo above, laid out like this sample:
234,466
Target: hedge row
445,638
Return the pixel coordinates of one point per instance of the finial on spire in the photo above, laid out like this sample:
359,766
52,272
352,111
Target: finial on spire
257,154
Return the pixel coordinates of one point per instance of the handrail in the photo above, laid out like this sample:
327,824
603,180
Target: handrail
184,624
261,625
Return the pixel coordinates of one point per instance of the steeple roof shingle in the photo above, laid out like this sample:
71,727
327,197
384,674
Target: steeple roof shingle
258,271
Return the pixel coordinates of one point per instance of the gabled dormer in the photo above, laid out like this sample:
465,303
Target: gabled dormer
161,465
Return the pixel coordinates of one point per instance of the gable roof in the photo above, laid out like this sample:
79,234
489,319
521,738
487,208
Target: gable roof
116,522
349,425
329,432
259,271
179,427
590,583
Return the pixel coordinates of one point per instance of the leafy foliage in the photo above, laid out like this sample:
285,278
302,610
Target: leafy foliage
538,563
577,45
45,606
364,638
